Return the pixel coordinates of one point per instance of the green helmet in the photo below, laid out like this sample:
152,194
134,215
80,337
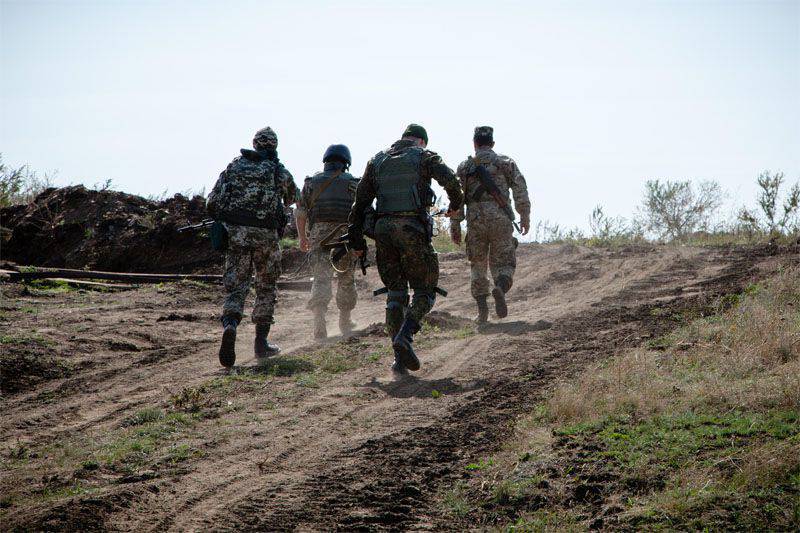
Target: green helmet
415,130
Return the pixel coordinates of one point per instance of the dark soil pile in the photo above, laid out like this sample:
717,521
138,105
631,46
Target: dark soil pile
76,227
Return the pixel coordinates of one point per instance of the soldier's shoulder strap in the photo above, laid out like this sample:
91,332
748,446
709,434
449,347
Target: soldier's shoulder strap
317,193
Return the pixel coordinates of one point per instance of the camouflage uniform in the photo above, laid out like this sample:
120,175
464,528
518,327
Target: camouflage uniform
238,201
404,252
489,240
321,290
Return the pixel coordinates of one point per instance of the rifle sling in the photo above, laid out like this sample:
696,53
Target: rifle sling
485,187
496,195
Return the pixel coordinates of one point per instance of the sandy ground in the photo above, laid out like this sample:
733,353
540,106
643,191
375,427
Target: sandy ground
310,446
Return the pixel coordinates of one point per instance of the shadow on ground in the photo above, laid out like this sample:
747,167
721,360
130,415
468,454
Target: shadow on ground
516,327
410,386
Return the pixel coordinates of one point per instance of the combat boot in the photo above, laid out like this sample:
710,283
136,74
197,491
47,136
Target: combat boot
398,368
402,344
483,310
501,287
262,347
346,325
227,350
320,327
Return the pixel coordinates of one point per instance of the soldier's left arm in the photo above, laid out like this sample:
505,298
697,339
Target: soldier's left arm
434,168
461,174
214,195
289,187
519,188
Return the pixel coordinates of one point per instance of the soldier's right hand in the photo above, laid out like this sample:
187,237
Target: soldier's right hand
305,245
356,243
526,225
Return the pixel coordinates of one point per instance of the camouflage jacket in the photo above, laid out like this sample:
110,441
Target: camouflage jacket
506,175
431,168
252,191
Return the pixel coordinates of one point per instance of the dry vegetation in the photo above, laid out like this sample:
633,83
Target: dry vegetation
699,429
745,357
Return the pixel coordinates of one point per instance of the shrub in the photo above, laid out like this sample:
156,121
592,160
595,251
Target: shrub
673,210
20,185
774,217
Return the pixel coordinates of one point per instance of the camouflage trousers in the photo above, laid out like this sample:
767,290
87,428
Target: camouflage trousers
490,244
321,288
251,250
405,258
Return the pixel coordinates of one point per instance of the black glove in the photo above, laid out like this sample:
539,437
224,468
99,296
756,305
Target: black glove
356,243
355,238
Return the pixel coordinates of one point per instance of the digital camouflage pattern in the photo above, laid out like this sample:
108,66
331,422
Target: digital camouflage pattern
489,241
246,191
251,249
265,138
249,200
323,272
404,253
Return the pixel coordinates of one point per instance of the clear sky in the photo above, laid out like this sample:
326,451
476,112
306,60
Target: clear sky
590,98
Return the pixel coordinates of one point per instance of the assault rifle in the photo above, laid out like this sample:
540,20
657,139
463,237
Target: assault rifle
216,232
207,223
488,185
383,290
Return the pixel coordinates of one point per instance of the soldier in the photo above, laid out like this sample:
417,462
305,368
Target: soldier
324,206
490,222
400,178
248,199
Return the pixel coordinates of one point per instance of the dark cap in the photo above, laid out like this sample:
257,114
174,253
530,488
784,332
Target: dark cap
483,134
415,130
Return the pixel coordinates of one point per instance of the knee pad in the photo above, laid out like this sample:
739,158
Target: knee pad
422,295
504,282
397,300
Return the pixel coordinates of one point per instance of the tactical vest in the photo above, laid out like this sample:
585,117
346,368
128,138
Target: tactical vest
397,177
334,202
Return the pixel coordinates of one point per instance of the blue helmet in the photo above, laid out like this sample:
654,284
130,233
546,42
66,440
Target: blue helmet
337,152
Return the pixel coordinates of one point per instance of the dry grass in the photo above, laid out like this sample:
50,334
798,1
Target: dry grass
747,357
700,430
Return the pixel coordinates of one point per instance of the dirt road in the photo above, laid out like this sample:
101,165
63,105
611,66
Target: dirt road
134,426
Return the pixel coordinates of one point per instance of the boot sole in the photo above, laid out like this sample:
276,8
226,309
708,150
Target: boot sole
406,356
227,351
500,306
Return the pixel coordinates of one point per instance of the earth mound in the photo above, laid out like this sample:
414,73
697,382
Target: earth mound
76,227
